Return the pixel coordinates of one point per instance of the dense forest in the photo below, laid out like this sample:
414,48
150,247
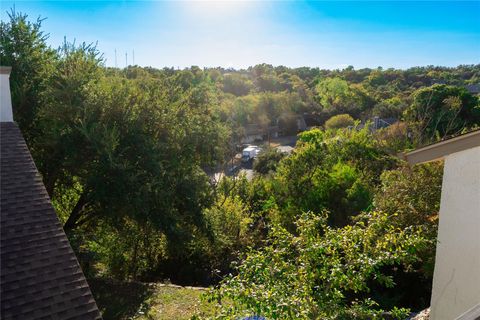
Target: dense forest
341,228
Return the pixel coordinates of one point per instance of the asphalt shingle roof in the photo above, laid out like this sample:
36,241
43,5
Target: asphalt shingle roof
40,274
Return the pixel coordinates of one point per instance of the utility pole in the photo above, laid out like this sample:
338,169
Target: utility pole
126,60
133,57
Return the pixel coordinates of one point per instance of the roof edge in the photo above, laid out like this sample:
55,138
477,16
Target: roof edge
5,70
444,148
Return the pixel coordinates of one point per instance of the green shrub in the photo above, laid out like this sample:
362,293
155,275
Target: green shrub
267,161
332,170
321,273
229,223
339,121
411,196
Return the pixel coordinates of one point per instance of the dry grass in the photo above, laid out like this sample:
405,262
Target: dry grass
173,302
147,301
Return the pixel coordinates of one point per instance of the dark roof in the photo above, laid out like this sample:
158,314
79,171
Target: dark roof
473,88
380,123
40,275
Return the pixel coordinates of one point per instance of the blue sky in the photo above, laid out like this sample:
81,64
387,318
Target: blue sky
239,34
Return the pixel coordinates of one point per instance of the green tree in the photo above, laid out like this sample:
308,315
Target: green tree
441,110
333,170
230,225
319,273
23,47
337,96
390,108
142,151
411,196
339,121
132,158
267,161
236,84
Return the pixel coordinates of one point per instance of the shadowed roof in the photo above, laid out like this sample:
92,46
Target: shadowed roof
40,275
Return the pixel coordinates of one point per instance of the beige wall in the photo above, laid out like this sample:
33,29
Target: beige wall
456,281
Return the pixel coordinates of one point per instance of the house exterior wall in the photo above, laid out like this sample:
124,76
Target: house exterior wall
5,98
456,280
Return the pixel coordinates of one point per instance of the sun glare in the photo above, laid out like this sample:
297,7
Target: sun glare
218,9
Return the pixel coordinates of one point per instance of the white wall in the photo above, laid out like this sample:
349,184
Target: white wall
5,98
456,280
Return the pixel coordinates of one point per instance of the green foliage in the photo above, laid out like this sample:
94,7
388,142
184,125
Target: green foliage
236,84
333,170
267,161
441,110
65,199
23,46
141,148
321,273
229,221
389,108
127,252
334,93
339,121
125,152
395,138
337,96
411,196
230,226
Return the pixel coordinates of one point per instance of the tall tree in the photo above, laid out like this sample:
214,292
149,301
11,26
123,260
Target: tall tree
441,110
337,96
23,47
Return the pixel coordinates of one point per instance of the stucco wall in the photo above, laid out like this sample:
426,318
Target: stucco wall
456,281
5,98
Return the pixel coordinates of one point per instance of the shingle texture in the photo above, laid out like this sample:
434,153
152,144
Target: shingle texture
40,275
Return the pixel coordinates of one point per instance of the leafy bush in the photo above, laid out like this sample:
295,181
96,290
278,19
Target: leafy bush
441,110
267,161
230,224
411,196
389,108
333,170
394,138
339,121
236,84
125,252
321,273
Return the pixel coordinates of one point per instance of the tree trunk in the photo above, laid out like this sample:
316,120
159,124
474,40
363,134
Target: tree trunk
76,214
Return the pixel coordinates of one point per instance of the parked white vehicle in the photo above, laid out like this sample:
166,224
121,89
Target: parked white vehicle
250,153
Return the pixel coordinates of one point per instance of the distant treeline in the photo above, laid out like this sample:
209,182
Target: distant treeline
265,95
